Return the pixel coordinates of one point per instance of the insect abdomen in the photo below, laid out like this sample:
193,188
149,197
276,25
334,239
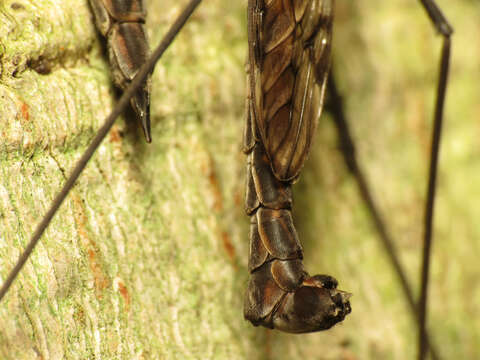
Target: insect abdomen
289,48
121,22
280,292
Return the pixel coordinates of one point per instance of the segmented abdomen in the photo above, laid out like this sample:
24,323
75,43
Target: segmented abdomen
289,48
121,22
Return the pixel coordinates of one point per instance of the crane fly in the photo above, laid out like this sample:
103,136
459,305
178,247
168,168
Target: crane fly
288,57
288,65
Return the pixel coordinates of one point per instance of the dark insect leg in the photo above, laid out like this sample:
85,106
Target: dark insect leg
347,146
443,27
123,102
348,150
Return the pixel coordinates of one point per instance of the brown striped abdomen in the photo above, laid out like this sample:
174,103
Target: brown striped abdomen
121,22
289,48
280,292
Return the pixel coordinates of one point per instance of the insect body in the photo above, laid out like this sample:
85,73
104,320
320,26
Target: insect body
121,22
289,53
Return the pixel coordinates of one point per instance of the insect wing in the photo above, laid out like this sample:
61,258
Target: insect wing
289,55
126,10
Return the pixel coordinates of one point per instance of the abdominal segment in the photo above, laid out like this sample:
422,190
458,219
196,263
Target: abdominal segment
280,293
122,23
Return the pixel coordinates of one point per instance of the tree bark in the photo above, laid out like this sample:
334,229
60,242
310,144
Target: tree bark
146,258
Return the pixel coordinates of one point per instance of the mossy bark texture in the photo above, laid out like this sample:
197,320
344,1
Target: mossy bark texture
144,258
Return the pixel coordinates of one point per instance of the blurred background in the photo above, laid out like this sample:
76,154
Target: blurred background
386,61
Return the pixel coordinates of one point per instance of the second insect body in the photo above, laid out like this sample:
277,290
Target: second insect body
121,22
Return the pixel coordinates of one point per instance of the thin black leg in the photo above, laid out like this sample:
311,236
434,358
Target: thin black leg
348,149
443,27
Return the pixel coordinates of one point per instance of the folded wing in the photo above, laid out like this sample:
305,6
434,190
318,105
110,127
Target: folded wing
289,60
